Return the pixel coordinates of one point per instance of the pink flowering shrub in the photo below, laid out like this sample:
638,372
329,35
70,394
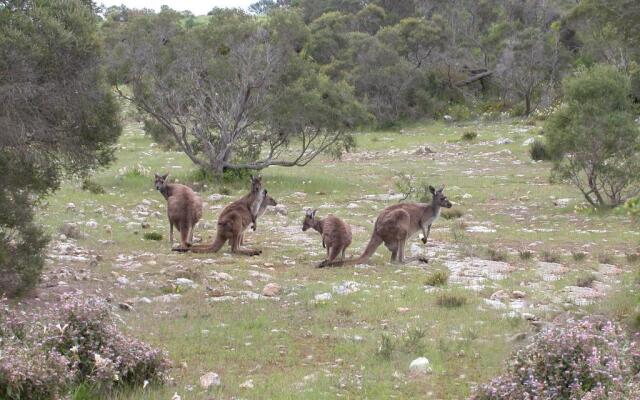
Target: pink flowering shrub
583,360
42,355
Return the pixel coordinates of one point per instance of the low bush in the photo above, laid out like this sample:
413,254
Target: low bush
525,254
152,236
584,359
497,254
579,256
585,280
437,278
469,136
450,300
538,151
93,187
47,352
551,256
453,213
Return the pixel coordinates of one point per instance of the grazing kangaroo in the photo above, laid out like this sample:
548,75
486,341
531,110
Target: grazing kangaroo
266,201
234,219
184,208
336,234
397,223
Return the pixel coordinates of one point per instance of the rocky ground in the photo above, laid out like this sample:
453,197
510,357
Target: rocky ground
274,326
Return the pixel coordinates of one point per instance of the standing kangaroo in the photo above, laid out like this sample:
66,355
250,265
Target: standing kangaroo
397,223
184,208
234,219
336,235
266,201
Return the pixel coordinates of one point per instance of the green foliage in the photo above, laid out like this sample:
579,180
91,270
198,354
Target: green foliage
593,137
58,117
525,254
548,255
387,345
469,136
538,151
579,256
437,278
453,213
92,186
413,343
585,280
451,300
152,236
497,254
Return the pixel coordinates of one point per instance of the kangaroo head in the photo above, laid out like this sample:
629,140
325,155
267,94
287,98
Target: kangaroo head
256,184
161,181
309,217
268,200
439,198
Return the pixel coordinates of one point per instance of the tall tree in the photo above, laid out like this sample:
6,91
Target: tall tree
57,117
236,93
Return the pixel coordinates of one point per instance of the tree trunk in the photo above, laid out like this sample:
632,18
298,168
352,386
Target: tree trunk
527,105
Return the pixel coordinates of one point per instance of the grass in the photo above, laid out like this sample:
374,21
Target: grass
451,300
452,213
497,254
525,254
586,280
152,236
579,256
551,256
290,346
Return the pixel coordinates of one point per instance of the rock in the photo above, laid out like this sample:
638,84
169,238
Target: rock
248,283
271,289
495,304
209,380
517,294
184,282
582,296
403,310
420,366
176,396
323,296
146,202
125,306
71,230
504,141
216,292
518,337
423,151
215,197
167,298
133,226
448,118
123,280
480,229
528,141
562,202
248,384
221,276
346,287
281,209
466,196
91,224
499,295
145,225
70,207
261,276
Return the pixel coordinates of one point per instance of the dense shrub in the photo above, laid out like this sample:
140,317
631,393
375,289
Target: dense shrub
538,151
44,353
584,359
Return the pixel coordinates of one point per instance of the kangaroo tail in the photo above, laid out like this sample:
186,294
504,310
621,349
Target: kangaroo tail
209,248
373,244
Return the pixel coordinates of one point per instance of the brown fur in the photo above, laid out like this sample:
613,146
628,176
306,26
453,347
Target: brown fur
336,235
234,219
396,224
184,209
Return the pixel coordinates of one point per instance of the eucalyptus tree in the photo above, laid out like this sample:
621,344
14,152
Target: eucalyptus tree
239,92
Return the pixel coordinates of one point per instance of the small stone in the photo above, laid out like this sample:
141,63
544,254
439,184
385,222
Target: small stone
248,283
133,226
496,304
323,296
92,224
216,292
176,396
402,310
123,280
517,294
448,118
184,282
420,366
271,289
209,379
248,384
125,306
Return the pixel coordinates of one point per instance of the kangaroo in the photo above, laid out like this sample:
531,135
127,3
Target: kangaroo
336,235
266,201
234,219
184,208
397,223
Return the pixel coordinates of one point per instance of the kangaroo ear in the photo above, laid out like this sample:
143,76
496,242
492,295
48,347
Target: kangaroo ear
441,189
313,213
157,176
432,189
308,212
165,176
